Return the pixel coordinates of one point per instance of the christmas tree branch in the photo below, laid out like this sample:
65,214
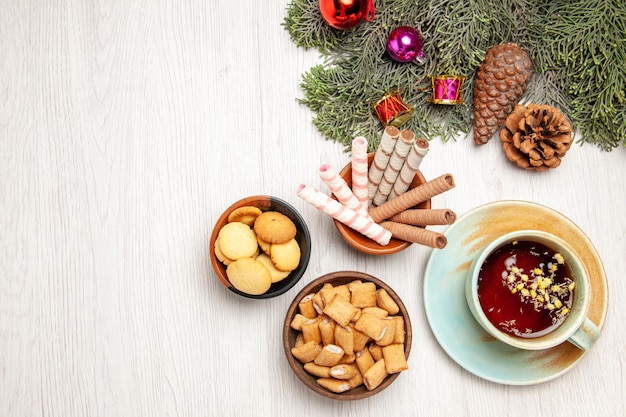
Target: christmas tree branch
578,49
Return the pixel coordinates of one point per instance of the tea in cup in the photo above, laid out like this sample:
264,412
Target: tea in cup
530,289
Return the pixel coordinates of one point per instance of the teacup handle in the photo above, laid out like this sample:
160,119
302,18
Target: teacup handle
585,336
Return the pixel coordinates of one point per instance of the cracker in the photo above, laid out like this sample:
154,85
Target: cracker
327,330
390,334
306,306
344,338
340,310
297,322
334,385
311,331
395,360
343,371
329,356
363,294
329,291
317,370
364,360
306,352
373,326
384,301
375,375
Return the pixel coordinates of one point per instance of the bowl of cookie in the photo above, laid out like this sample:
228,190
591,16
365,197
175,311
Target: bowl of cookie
347,335
260,247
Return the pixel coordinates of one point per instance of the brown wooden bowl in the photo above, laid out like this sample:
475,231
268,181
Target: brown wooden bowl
303,237
289,334
361,242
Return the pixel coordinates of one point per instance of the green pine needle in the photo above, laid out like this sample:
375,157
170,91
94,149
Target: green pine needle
578,49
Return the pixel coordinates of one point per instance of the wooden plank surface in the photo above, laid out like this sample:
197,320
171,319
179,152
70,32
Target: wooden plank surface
126,128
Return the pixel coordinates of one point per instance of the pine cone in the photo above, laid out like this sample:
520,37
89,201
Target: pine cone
500,82
536,137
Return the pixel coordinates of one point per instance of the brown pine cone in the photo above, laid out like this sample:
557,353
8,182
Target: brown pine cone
536,137
500,82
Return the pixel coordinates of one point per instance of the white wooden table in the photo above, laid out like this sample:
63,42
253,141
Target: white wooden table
126,127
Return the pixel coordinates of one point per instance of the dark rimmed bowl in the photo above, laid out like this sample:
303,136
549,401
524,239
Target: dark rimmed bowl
361,242
303,237
289,334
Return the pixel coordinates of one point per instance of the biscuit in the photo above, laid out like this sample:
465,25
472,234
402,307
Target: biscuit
219,254
285,256
265,246
236,241
249,276
277,274
246,215
274,227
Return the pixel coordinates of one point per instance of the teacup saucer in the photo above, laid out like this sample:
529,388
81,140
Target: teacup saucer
449,317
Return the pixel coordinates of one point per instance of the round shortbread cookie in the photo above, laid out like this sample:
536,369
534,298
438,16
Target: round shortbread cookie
274,227
219,254
249,276
285,256
246,215
236,241
276,274
265,246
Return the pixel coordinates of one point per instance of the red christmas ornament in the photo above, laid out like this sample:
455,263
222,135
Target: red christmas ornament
392,110
345,14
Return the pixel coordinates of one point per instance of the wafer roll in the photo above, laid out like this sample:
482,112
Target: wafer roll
416,234
360,170
381,158
412,197
420,217
338,186
411,165
345,215
392,170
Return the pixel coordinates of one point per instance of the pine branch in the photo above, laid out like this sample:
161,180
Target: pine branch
578,50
